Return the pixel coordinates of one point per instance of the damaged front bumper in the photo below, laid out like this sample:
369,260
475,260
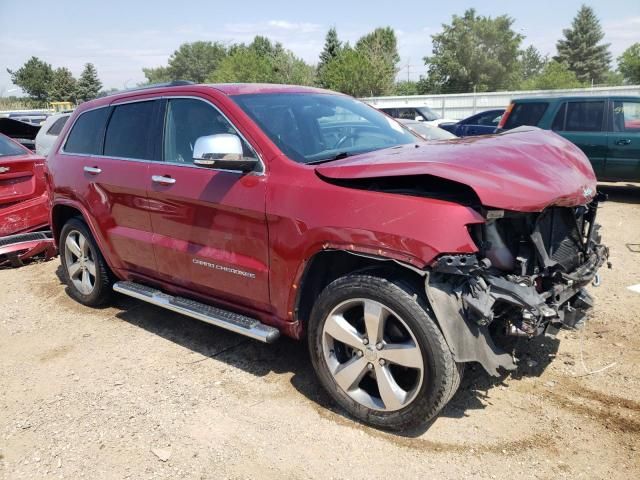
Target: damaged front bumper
539,294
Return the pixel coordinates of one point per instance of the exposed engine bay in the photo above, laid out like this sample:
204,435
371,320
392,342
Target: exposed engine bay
527,279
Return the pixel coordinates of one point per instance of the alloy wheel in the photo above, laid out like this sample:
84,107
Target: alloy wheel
372,354
80,262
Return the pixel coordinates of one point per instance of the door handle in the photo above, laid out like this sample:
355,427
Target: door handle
624,141
162,180
93,170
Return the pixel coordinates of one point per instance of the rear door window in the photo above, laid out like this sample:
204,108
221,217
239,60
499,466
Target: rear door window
129,133
584,116
626,116
526,114
86,134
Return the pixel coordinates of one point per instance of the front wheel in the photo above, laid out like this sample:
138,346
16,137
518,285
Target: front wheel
379,354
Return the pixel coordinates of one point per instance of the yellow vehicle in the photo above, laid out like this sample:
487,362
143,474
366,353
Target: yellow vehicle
59,107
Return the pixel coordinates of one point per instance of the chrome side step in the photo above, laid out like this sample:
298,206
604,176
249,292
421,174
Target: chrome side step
234,322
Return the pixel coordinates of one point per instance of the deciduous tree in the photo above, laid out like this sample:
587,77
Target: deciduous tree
262,61
474,51
629,64
554,75
369,68
34,77
194,61
157,74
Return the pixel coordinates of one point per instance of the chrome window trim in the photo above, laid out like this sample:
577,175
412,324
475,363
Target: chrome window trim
260,172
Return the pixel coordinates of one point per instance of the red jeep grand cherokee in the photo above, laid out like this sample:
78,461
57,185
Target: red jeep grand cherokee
269,209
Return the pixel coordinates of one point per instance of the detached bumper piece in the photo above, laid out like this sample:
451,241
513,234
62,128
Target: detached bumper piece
15,250
249,327
529,279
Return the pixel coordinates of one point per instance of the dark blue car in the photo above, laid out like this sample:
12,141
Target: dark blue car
482,123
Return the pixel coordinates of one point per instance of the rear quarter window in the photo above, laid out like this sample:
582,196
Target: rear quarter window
56,128
526,114
86,134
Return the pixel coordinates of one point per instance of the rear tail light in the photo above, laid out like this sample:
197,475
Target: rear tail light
505,115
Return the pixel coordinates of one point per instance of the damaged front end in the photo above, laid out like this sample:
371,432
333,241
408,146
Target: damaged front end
528,278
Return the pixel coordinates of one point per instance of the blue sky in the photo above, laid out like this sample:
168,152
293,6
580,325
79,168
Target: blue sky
120,37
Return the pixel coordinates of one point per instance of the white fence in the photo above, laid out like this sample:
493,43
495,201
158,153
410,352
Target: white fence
461,105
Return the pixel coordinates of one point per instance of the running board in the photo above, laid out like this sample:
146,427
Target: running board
234,322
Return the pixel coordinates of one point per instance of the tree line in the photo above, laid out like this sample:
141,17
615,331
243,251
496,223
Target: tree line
472,53
44,84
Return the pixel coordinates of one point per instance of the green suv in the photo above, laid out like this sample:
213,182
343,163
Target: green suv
607,129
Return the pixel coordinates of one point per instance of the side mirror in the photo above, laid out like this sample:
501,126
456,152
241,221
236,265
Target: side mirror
223,151
419,118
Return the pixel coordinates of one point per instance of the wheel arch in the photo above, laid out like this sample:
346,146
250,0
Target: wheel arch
328,265
63,211
60,214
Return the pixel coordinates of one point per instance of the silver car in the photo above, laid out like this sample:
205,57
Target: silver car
49,132
427,131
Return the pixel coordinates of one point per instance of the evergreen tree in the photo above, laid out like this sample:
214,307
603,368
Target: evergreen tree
89,84
332,48
63,86
531,62
581,49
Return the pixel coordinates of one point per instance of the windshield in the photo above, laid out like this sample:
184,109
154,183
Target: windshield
315,127
8,148
428,114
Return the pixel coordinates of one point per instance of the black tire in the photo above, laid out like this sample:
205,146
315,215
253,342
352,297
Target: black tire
441,373
102,288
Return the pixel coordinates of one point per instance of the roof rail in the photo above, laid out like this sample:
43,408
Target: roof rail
174,83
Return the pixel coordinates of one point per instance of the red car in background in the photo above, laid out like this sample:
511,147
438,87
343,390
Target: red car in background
24,204
273,209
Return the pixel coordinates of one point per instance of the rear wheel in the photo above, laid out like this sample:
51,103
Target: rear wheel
85,271
379,354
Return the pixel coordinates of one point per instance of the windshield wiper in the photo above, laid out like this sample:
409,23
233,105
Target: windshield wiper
337,156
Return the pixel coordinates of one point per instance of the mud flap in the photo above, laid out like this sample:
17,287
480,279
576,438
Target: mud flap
468,341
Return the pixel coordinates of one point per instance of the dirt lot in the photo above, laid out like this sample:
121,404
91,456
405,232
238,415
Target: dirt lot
131,391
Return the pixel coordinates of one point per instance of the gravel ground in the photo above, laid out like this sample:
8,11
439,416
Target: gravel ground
131,391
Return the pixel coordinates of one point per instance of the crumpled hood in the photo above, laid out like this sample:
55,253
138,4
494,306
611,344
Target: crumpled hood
526,169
